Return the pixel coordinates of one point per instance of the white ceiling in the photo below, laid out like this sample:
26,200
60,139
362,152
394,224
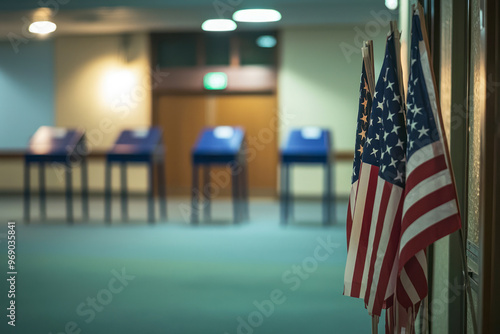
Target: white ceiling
114,16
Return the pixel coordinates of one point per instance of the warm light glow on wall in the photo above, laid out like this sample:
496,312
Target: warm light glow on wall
42,21
117,83
42,27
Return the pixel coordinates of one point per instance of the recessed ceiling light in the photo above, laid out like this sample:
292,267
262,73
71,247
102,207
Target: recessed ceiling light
391,4
266,41
219,25
42,27
257,15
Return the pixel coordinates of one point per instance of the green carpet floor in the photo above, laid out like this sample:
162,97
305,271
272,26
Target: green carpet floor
254,278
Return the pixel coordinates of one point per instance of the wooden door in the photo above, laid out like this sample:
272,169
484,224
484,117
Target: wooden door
182,117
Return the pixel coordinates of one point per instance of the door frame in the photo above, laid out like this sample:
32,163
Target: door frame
489,307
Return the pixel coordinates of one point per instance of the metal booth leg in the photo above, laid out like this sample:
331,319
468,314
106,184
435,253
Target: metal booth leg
235,171
151,203
289,197
244,190
282,195
194,196
69,194
27,192
327,201
123,190
162,188
42,191
85,190
285,193
333,202
207,204
107,193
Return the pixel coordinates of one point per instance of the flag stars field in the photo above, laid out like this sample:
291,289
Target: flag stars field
389,85
422,132
397,98
364,118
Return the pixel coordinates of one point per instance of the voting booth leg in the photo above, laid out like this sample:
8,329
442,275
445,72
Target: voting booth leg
107,193
207,204
123,191
236,193
290,198
42,191
327,202
85,190
194,196
151,202
162,190
332,203
244,190
69,195
27,192
285,189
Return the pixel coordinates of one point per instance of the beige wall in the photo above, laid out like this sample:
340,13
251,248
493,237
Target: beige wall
103,87
319,86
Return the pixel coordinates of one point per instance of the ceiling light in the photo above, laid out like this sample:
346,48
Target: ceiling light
42,27
266,41
257,15
218,25
391,4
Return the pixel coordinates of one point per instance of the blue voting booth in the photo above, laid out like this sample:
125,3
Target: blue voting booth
309,145
223,145
137,146
62,149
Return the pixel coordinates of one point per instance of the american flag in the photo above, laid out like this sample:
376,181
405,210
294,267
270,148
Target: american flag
385,179
430,209
356,272
352,282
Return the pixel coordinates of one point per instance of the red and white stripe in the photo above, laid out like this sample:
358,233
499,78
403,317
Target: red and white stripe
381,265
412,281
430,209
359,231
429,213
350,210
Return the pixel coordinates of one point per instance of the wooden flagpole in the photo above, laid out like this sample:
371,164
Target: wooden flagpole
420,10
369,45
364,52
397,46
367,53
375,324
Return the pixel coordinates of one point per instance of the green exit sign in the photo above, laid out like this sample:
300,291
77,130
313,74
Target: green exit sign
215,81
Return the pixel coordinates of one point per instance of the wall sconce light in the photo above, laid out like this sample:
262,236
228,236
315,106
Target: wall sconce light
42,24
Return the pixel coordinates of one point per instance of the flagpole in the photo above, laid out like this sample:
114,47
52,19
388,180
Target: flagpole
374,324
367,60
397,46
369,45
463,256
424,315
